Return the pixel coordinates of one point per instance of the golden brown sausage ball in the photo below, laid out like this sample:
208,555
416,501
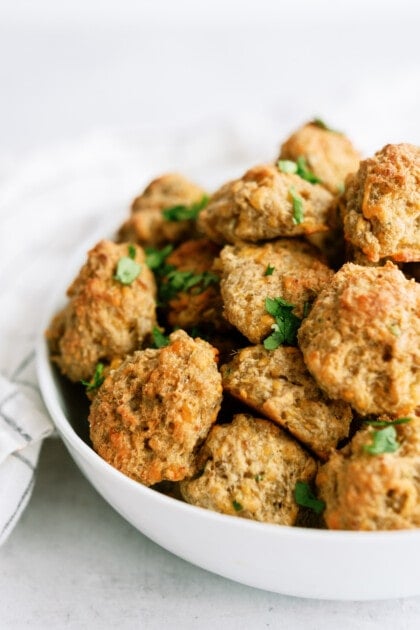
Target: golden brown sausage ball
199,303
250,469
361,340
152,413
297,275
381,213
105,318
277,384
365,491
329,154
265,204
147,224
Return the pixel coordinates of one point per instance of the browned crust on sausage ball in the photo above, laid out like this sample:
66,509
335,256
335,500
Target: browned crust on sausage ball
277,384
259,206
147,225
361,340
329,155
372,492
381,214
298,276
104,319
153,412
249,469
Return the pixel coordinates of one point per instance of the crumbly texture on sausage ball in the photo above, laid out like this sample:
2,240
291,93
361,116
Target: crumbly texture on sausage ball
277,384
329,154
364,491
147,224
361,340
249,469
381,210
153,412
265,204
104,319
286,268
198,302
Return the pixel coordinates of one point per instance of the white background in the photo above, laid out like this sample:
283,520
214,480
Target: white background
71,69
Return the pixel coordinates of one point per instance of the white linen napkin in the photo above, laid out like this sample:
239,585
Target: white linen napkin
56,201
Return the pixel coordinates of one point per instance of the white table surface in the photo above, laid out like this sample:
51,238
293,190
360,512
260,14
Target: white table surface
69,68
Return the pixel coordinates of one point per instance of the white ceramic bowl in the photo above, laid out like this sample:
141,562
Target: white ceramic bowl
293,561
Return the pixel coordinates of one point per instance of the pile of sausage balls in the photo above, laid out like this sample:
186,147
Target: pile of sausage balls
257,351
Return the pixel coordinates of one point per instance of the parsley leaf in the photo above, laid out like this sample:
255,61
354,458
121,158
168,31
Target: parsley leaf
297,206
185,213
384,423
383,441
305,497
269,270
97,378
176,281
131,252
318,122
155,258
159,339
237,506
127,270
286,323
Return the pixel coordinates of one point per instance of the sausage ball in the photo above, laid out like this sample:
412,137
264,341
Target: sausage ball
286,268
198,301
277,384
250,469
265,204
329,154
109,314
153,412
381,211
147,224
367,491
361,340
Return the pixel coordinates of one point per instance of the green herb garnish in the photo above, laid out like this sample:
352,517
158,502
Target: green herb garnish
259,477
269,270
237,506
176,281
155,258
97,378
286,323
185,213
305,497
383,441
159,339
300,167
127,270
297,206
395,330
131,252
384,423
322,125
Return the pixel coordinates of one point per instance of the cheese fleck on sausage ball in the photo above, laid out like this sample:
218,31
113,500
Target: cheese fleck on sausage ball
381,213
249,469
153,412
365,491
329,155
286,268
277,384
105,318
361,340
147,224
265,204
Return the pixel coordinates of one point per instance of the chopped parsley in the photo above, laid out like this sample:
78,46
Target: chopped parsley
159,339
97,378
269,270
297,202
318,122
383,441
176,281
300,167
286,323
385,423
185,213
127,268
237,506
395,330
155,258
305,497
259,477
